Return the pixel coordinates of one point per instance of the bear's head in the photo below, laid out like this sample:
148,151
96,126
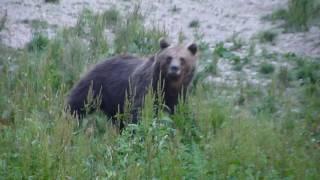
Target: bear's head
177,62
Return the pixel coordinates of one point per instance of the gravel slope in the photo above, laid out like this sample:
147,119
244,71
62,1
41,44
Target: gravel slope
218,19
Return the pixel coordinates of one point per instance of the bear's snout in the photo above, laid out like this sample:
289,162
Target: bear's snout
174,70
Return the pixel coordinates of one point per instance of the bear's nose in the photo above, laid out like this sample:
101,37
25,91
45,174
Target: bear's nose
174,68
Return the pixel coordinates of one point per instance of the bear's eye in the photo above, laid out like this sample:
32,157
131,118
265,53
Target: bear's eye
183,60
169,58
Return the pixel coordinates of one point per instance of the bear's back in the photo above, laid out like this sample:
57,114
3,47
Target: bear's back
108,79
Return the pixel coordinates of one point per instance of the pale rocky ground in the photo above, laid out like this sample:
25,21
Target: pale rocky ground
219,20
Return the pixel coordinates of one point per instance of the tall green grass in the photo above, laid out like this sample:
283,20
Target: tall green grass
207,138
132,37
299,15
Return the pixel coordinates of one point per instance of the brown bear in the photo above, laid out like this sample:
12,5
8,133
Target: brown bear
117,78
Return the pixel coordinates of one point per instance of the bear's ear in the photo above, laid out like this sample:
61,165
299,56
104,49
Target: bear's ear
193,48
163,43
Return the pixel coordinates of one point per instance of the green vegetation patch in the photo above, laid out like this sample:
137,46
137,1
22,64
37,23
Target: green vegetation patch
52,1
299,15
266,68
267,36
194,23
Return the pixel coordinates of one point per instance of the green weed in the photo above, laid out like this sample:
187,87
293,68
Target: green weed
111,17
267,36
299,15
131,36
280,14
3,21
51,1
194,24
237,42
38,43
175,9
266,68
